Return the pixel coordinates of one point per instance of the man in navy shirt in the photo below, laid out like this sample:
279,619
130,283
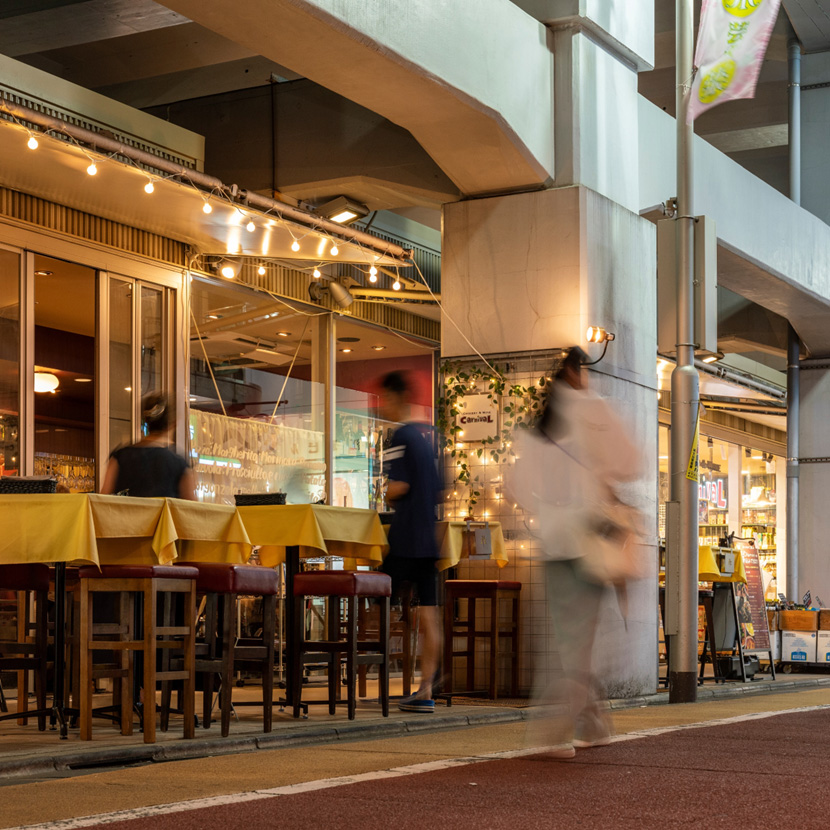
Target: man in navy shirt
413,490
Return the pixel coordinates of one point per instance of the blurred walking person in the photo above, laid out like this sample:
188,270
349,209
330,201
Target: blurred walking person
565,473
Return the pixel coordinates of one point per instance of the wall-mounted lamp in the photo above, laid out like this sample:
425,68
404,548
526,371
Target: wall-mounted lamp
46,382
596,334
343,210
337,291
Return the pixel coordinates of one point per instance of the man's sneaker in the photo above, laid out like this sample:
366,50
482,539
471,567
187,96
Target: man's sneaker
416,704
604,740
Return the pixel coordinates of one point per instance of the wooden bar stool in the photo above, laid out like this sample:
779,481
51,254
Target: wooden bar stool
146,582
222,585
336,586
28,653
490,591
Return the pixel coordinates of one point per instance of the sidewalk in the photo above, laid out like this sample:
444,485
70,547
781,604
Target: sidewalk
25,752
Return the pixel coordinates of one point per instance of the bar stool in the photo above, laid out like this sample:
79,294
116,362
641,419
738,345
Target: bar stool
27,653
405,629
222,585
336,586
147,581
491,591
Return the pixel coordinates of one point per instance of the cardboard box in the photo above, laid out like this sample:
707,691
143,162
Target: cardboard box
823,647
772,619
798,620
799,646
824,620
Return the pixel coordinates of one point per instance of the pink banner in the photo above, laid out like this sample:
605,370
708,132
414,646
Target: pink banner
731,44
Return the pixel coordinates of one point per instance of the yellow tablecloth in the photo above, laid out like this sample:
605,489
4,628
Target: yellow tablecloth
209,532
47,528
318,529
451,544
708,567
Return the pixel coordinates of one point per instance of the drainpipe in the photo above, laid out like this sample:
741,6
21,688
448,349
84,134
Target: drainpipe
793,343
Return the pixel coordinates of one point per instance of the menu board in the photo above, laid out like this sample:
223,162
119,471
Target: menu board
750,604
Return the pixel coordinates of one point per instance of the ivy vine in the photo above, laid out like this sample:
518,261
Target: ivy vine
519,406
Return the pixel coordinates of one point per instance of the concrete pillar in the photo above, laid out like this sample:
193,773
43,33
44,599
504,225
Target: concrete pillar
542,267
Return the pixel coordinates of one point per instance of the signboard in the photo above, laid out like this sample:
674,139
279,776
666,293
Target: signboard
750,605
478,418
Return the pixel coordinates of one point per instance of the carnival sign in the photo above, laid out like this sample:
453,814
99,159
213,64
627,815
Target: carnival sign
731,44
478,418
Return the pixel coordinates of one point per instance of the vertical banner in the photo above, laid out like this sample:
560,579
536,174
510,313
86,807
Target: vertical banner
693,468
731,44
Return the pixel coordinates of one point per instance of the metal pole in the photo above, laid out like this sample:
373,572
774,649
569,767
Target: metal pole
793,346
794,56
684,385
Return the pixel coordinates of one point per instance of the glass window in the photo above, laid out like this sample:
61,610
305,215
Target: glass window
759,502
9,363
256,401
364,355
121,363
152,342
664,481
713,490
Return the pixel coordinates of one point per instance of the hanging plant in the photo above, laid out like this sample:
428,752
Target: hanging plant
520,405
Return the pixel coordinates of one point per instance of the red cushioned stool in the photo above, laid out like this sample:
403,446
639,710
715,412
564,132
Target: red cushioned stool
222,585
337,586
147,583
490,591
27,653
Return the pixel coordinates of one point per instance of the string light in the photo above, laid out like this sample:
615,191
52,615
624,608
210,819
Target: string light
92,169
149,187
396,286
32,142
295,246
261,270
250,227
316,274
334,250
207,207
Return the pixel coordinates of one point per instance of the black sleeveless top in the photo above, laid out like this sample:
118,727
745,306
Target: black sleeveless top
148,471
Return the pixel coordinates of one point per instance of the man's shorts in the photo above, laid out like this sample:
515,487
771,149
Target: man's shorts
421,573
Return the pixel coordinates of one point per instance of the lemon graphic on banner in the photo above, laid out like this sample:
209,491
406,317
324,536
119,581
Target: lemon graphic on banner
716,81
741,8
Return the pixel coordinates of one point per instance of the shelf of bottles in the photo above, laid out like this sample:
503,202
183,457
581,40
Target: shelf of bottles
74,473
715,526
758,517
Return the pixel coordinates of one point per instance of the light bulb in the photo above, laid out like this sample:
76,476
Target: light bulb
373,271
334,250
261,270
316,273
149,187
228,271
92,169
372,277
250,227
206,208
32,143
396,286
295,246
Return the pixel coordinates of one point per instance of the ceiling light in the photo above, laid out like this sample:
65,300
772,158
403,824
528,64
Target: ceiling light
261,270
340,294
46,382
283,334
43,273
345,351
207,207
343,210
83,380
230,268
92,169
713,357
32,142
149,187
378,348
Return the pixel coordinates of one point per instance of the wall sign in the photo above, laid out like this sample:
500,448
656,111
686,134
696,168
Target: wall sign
478,418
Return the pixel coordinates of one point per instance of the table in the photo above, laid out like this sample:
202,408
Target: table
451,549
94,529
290,532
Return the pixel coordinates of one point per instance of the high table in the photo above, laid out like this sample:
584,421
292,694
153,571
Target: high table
94,529
290,532
451,547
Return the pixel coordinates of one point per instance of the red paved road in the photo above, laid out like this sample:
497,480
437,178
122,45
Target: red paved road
759,773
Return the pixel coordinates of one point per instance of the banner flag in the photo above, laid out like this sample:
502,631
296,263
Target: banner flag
731,44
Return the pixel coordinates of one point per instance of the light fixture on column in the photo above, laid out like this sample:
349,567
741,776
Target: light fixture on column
343,210
340,294
46,382
230,268
597,334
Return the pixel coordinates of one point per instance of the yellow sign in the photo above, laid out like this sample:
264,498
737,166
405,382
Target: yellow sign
716,81
741,8
693,470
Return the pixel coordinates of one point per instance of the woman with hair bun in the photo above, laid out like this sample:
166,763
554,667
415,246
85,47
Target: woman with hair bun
150,468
